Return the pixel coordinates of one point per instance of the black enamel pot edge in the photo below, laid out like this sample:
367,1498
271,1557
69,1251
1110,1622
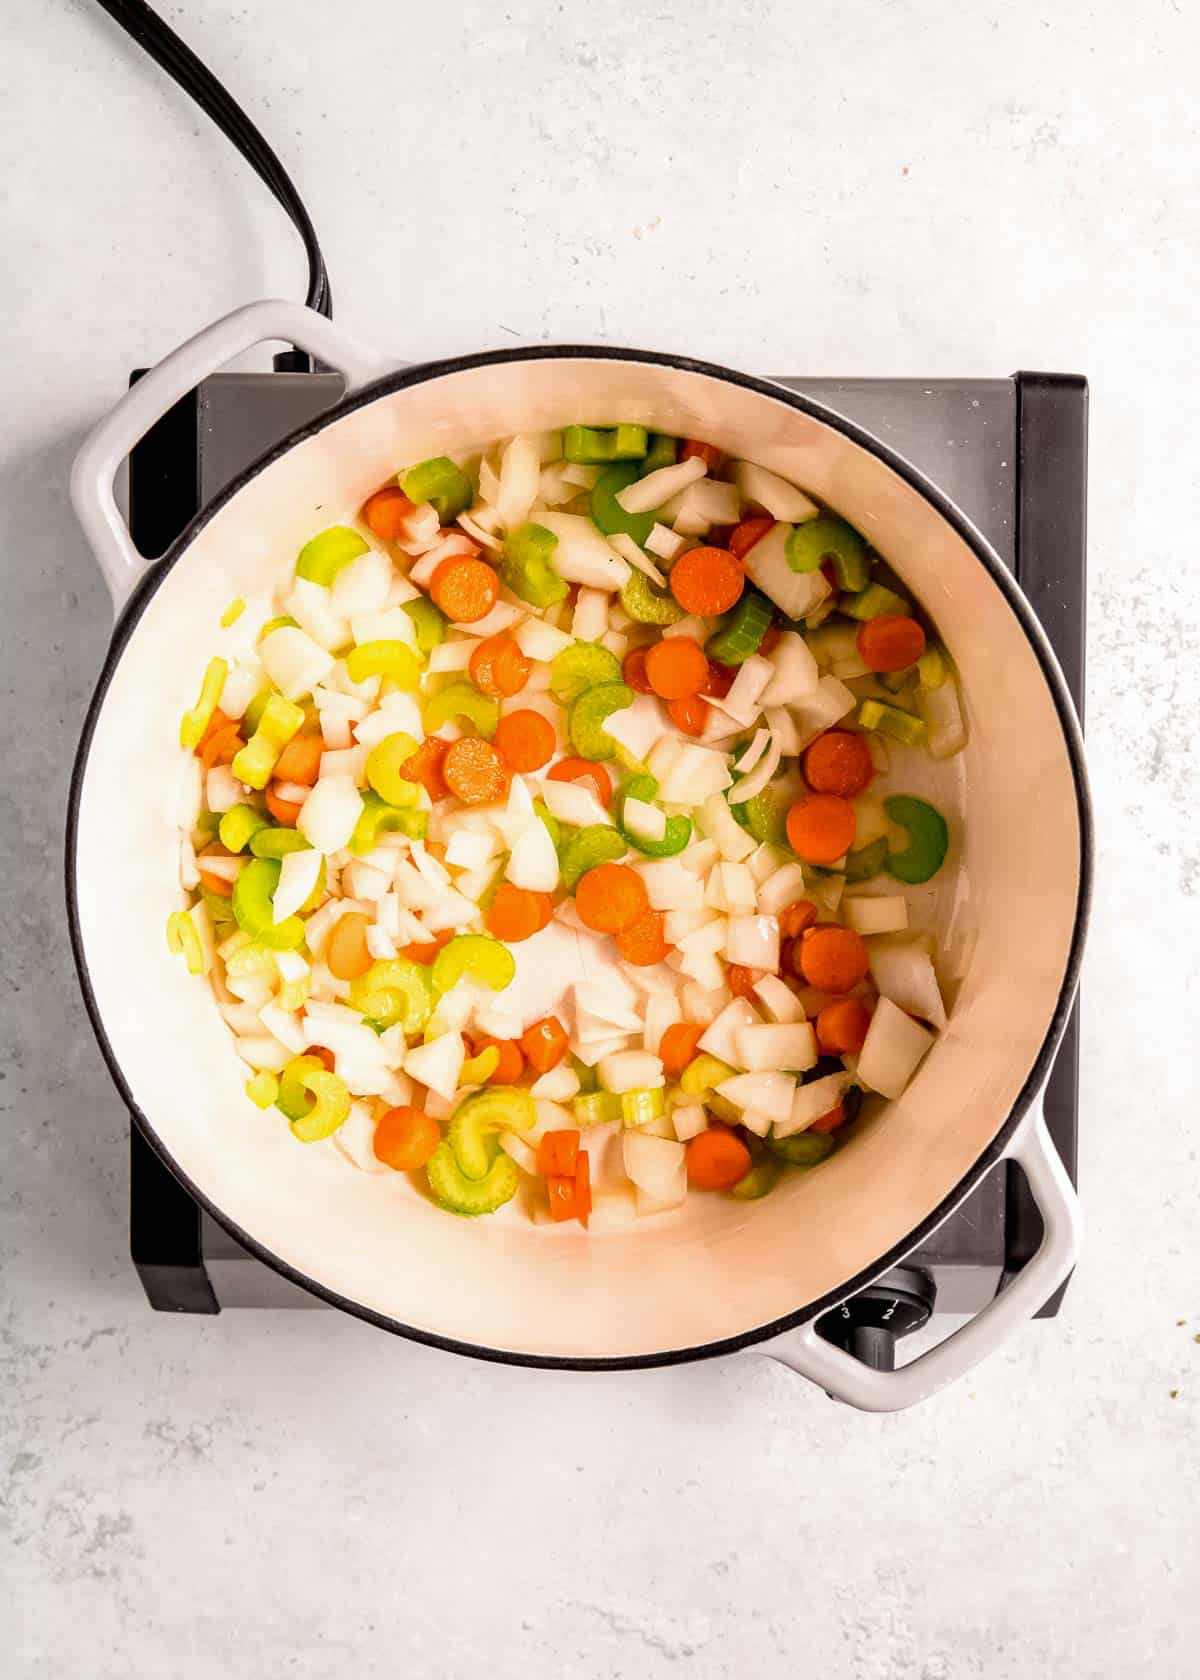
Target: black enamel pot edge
421,373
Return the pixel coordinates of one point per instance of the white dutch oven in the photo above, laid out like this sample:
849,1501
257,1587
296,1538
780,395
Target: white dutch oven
721,1275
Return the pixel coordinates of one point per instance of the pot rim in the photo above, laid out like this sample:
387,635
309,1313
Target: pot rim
419,374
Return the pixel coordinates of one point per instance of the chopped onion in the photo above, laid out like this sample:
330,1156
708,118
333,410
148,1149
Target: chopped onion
646,494
700,1005
643,821
438,1063
782,725
519,1151
503,616
893,1048
706,503
629,550
630,1070
794,593
753,752
448,547
694,628
560,1084
639,728
418,529
355,1139
240,687
670,885
743,700
539,640
298,874
678,924
688,1120
590,619
903,971
309,605
294,662
794,672
392,624
778,999
717,822
518,487
452,656
782,888
720,1037
285,1026
664,543
790,1045
662,1010
573,803
614,1209
364,882
533,861
761,1093
263,1053
399,714
362,586
706,940
292,793
696,773
766,490
350,762
222,789
657,1166
380,944
812,1102
749,786
941,709
330,813
738,888
869,914
470,848
583,554
826,705
753,942
701,855
610,1009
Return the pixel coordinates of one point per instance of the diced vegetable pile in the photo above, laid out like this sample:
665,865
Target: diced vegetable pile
598,717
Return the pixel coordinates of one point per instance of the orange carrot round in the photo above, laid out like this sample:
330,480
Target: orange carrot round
323,1055
514,914
890,642
424,951
583,770
384,513
544,1044
717,1160
689,714
842,1026
694,450
214,883
609,897
720,679
797,918
557,1154
425,766
678,1047
839,762
742,980
405,1138
300,760
676,668
633,669
283,810
821,828
499,667
220,746
643,941
511,1065
707,581
833,959
746,534
346,954
525,740
831,1121
475,772
466,590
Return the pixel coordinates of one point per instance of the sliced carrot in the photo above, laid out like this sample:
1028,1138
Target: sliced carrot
839,762
831,1121
563,1201
643,941
583,1188
833,959
346,954
707,581
283,810
821,828
525,740
511,1065
583,770
678,1047
742,980
514,914
499,667
690,715
323,1055
797,917
385,512
405,1138
694,450
425,766
676,668
842,1026
215,883
466,590
544,1043
890,642
770,640
747,534
475,772
633,669
300,760
717,1160
557,1154
221,748
609,897
424,951
720,679
216,725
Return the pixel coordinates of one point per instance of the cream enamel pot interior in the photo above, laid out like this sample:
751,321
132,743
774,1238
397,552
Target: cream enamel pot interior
719,1275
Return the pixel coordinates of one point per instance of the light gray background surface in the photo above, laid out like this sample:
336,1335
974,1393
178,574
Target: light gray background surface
851,188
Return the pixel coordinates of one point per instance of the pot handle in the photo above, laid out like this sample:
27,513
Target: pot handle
95,468
846,1378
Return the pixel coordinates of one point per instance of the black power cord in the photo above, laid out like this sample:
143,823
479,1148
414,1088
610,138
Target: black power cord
157,39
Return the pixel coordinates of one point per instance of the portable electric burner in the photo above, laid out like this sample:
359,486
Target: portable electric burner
1012,453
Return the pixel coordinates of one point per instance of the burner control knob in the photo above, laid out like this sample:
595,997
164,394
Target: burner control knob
869,1324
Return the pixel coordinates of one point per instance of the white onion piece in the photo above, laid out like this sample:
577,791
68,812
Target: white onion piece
560,1084
419,529
222,789
743,702
664,754
355,1139
761,1093
662,1010
189,875
794,593
694,628
782,888
887,913
438,1063
791,1046
716,820
720,1037
671,886
941,709
503,616
794,673
749,786
263,1053
309,604
583,554
590,618
782,725
738,887
572,802
380,944
903,971
520,1152
398,715
753,942
774,495
298,875
294,662
643,821
293,793
664,543
365,882
539,640
812,1102
533,861
639,727
482,524
697,773
285,1026
240,687
826,705
657,1166
329,814
700,1005
362,586
224,868
470,848
350,762
448,547
753,752
554,487
389,624
451,656
706,940
629,550
688,1120
778,999
631,1070
518,487
612,1009
893,1048
645,494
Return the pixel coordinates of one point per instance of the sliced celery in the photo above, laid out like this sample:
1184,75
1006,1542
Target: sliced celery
183,940
829,538
639,1107
471,1197
585,721
429,622
197,720
742,635
263,1089
644,601
803,1149
233,611
757,1182
394,993
586,848
322,558
477,955
581,666
873,602
890,720
239,825
477,1070
933,667
527,566
280,720
442,483
928,839
475,1121
863,865
678,830
277,842
384,764
596,1108
294,1099
253,892
702,1074
394,660
462,700
592,445
330,1107
378,817
607,513
283,622
662,452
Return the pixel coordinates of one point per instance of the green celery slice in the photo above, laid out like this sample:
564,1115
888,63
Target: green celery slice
470,1197
892,721
253,892
645,602
478,955
392,659
474,1122
586,848
527,566
324,556
429,622
873,602
462,700
590,446
678,831
581,666
742,635
197,720
585,720
829,538
928,839
440,482
378,817
607,513
394,993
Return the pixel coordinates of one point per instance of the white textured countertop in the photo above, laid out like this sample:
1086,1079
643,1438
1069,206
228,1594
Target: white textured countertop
846,188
